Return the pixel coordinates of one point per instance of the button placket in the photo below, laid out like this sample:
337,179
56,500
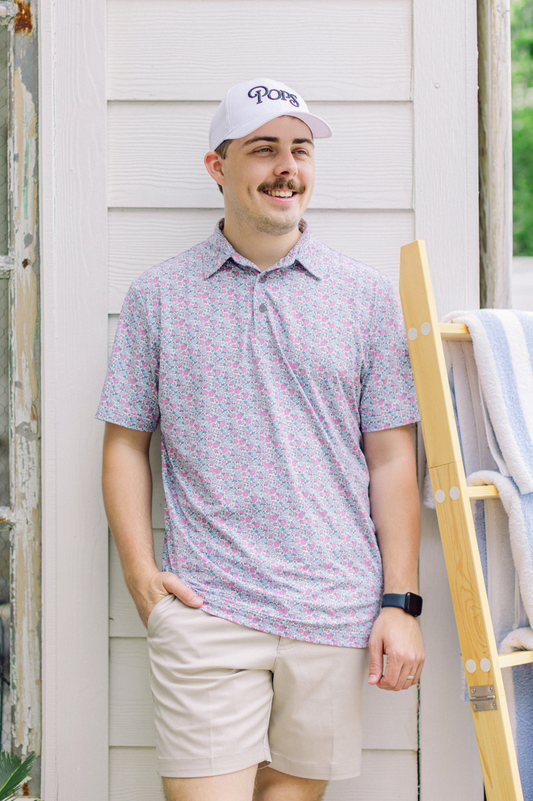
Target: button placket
259,284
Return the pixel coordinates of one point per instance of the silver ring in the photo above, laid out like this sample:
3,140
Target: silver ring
410,677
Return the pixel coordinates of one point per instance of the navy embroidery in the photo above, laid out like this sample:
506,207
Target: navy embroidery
272,94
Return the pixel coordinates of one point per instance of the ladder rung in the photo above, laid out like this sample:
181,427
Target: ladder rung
457,331
482,492
515,658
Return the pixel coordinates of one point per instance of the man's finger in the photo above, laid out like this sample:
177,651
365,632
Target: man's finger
406,675
375,669
418,673
173,585
395,673
389,680
410,679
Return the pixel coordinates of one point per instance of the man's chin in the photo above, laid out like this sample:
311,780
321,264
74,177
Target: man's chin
278,230
279,224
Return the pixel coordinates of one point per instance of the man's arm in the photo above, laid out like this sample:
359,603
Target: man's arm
127,489
395,510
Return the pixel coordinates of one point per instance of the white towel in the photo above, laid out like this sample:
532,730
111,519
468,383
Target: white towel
495,409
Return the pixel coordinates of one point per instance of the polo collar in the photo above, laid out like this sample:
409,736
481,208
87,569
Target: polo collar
306,253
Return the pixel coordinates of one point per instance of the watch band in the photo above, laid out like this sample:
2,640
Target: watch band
409,602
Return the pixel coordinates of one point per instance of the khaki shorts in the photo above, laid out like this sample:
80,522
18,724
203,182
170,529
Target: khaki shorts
228,697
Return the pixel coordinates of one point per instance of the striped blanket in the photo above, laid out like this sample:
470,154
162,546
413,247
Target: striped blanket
492,384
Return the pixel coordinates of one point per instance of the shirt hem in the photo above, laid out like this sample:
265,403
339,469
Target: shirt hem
117,420
384,425
273,626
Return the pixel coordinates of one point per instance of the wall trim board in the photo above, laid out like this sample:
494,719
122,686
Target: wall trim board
446,216
74,348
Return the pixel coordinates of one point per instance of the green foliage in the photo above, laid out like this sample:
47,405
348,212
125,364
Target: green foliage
522,76
13,771
523,181
522,43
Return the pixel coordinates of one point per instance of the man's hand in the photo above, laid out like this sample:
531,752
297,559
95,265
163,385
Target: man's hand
396,634
149,592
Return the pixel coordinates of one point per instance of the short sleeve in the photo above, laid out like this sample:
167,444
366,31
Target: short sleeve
388,397
130,394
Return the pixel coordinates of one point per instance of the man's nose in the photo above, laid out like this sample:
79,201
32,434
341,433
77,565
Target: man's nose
286,164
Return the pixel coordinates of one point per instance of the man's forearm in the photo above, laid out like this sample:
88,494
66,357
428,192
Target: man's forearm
127,490
395,510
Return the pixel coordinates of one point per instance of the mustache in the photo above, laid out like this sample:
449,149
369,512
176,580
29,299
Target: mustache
280,183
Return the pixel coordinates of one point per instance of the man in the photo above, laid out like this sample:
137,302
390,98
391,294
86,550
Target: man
278,371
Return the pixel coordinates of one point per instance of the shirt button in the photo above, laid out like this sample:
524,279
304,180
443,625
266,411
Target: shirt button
262,307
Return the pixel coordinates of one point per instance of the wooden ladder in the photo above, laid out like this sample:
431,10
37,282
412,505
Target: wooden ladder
483,665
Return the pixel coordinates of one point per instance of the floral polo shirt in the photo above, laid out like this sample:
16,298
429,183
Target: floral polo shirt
262,383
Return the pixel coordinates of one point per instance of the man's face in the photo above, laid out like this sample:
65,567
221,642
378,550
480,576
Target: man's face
269,176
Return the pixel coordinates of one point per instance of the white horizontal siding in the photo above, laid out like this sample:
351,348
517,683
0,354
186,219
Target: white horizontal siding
140,238
184,50
112,323
156,150
385,775
169,64
390,775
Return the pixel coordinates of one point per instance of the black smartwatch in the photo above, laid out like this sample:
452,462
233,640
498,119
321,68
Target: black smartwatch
410,603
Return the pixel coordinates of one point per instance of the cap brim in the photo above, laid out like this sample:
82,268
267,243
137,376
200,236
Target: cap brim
318,127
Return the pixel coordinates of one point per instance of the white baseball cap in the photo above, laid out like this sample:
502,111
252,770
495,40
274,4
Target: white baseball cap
251,104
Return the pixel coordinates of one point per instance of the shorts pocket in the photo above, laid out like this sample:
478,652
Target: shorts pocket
152,617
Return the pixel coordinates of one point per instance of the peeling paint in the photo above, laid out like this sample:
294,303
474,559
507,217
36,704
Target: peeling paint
24,430
23,18
7,10
26,489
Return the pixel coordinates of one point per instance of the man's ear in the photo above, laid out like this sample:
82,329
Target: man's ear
215,167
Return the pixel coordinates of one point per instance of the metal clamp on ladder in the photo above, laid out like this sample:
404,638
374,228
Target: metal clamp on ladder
483,698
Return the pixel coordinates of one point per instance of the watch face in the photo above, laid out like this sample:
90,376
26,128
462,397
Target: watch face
413,604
